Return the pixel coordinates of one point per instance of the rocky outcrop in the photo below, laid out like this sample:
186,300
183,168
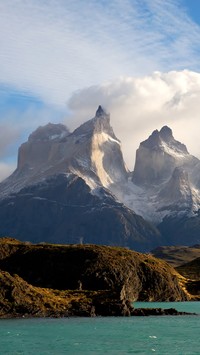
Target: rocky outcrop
130,275
158,156
20,299
158,312
39,148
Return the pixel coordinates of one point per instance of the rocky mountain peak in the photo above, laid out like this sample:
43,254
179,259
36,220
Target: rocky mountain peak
153,140
156,139
100,112
38,150
163,140
100,123
166,133
92,151
158,156
51,131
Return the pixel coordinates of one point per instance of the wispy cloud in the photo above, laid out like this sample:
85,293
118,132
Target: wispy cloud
53,48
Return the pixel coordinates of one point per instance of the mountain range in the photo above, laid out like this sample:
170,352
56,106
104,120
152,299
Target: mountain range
74,187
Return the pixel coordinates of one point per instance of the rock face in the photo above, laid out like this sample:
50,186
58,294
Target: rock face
158,156
20,299
88,280
39,147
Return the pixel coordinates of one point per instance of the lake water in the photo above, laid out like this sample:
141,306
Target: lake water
105,335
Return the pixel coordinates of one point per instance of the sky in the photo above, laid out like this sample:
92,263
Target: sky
60,59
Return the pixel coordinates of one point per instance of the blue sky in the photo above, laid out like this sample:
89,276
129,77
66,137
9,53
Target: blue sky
193,9
59,59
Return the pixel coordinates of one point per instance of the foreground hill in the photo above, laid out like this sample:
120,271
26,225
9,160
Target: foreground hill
186,261
55,280
191,269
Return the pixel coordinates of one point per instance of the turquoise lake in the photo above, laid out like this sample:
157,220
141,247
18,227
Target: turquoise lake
105,335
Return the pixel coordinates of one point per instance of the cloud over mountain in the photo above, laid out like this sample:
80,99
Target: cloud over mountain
139,105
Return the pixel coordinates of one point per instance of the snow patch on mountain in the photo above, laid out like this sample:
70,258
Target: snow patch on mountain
172,150
98,152
51,131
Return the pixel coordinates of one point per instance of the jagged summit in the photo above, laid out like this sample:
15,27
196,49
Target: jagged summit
100,112
100,123
166,133
158,156
164,140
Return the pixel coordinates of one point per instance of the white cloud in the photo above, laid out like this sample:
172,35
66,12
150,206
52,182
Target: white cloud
51,48
140,105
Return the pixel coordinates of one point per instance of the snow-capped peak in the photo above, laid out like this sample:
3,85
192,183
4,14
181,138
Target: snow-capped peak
158,156
164,140
92,151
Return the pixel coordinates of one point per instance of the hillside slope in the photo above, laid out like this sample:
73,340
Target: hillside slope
177,255
46,279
